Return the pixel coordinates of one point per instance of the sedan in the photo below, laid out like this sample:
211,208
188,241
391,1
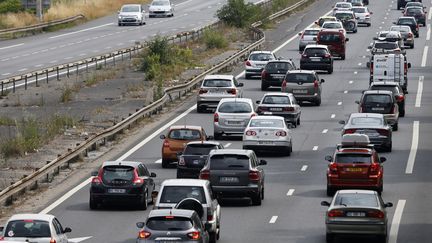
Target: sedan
334,25
406,33
417,12
163,8
356,212
268,133
280,104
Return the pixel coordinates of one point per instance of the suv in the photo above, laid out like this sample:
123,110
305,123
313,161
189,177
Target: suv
216,87
122,180
411,22
131,14
355,164
382,102
274,72
173,191
335,40
348,20
397,90
235,173
163,8
256,61
316,57
304,85
193,158
324,19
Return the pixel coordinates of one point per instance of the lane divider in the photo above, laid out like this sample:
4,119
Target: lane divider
424,57
304,168
159,161
333,116
428,33
414,147
325,131
315,148
419,91
227,145
396,221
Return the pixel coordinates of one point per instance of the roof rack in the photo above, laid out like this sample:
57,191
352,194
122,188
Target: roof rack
355,141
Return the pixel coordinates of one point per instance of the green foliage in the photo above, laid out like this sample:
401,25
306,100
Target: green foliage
10,6
214,39
160,46
238,13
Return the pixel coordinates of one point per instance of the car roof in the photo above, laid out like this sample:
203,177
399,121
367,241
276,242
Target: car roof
231,151
344,11
419,7
219,76
332,21
192,127
357,191
267,117
359,7
185,182
378,115
223,100
316,46
33,216
120,163
277,94
265,52
384,83
377,92
171,212
131,5
204,142
302,71
406,17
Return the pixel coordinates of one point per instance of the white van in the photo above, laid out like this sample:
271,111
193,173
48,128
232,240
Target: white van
390,67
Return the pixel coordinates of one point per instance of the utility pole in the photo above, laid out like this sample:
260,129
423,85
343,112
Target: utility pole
39,13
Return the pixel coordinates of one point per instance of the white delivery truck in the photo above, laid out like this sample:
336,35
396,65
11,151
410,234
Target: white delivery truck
390,67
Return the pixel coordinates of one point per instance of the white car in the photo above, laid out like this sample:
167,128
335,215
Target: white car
131,14
161,8
363,15
37,228
268,133
256,61
336,25
342,6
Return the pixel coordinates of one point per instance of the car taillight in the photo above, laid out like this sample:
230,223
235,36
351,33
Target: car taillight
166,143
254,175
283,86
289,108
304,55
335,213
96,180
371,69
204,175
400,98
209,214
181,161
367,15
203,91
383,132
316,84
374,168
405,68
327,55
1,238
375,214
137,180
195,235
349,131
232,91
144,234
251,133
53,241
281,133
263,74
410,35
333,168
216,117
247,63
260,108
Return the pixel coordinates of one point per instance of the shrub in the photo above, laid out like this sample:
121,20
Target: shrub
160,46
10,6
238,13
214,39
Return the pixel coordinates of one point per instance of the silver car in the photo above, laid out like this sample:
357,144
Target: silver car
131,14
356,212
308,36
305,85
161,8
256,61
231,116
216,87
406,33
280,104
363,15
268,133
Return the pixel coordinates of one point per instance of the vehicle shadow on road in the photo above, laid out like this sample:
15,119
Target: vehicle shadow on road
235,202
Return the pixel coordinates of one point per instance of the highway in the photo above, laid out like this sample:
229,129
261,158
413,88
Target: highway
295,185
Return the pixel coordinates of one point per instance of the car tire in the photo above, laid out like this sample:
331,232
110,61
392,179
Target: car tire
380,189
396,126
165,163
200,109
212,237
262,194
368,24
318,102
119,24
298,121
417,35
412,46
179,174
388,148
288,151
93,204
143,203
330,70
402,112
355,31
256,199
343,57
382,238
329,238
330,191
264,86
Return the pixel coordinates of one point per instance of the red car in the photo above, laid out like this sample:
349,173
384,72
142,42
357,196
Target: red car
355,165
335,40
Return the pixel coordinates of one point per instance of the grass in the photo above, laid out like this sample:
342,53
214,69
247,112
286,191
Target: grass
99,75
67,93
6,121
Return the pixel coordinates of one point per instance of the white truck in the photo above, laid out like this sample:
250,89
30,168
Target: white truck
390,67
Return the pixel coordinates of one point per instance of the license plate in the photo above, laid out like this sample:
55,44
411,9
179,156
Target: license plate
354,169
276,109
234,122
195,162
265,142
267,113
278,76
300,91
315,59
356,214
225,179
378,108
113,190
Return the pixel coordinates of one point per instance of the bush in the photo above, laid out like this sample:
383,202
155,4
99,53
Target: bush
238,13
214,39
160,46
10,6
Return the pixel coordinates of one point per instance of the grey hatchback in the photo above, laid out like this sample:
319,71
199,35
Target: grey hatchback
305,85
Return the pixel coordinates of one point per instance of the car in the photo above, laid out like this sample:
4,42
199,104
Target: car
305,85
356,3
131,14
397,33
256,61
324,19
232,116
371,124
162,8
173,191
308,36
356,212
280,104
342,6
172,225
380,47
122,181
274,72
235,173
417,12
397,90
414,4
37,228
402,3
363,15
382,102
193,158
355,164
334,25
390,67
268,133
335,40
348,20
216,87
411,22
317,57
176,138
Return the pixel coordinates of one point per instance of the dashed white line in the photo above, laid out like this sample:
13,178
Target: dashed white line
428,33
413,150
273,219
419,92
430,13
227,145
333,116
159,161
82,54
350,81
394,229
4,60
355,72
7,47
71,33
290,192
339,103
345,91
359,63
424,57
324,131
315,148
53,61
67,58
39,65
304,168
183,2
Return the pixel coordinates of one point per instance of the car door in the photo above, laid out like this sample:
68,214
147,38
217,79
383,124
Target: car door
61,236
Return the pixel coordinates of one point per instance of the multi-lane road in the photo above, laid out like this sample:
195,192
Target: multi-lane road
295,185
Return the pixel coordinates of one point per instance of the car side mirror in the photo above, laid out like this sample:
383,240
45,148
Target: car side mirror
140,225
325,203
152,174
388,205
162,136
94,173
316,22
300,33
118,12
342,122
240,84
394,23
245,59
322,80
369,47
370,12
258,101
262,162
67,230
210,137
329,158
403,11
357,102
375,38
383,159
207,227
357,17
179,154
409,65
346,39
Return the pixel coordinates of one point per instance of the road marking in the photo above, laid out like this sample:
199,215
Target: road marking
290,192
22,69
183,3
424,58
227,145
333,116
315,148
350,81
355,72
273,219
346,92
39,65
79,31
68,58
4,60
159,161
414,146
419,92
359,63
430,13
339,103
304,168
4,74
396,221
325,131
7,47
428,33
54,61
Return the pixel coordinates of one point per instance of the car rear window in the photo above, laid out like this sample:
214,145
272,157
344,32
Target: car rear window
332,25
400,28
229,162
174,194
311,32
359,10
353,158
217,83
343,16
199,149
266,123
386,45
184,134
366,121
169,223
414,11
276,99
160,3
275,66
393,89
405,21
377,98
315,51
356,199
27,228
343,5
117,173
261,57
323,38
235,107
299,77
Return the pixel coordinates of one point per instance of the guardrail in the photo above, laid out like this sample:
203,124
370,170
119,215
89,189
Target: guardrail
7,195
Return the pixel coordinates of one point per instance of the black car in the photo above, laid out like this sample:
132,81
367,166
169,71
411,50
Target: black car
411,22
418,13
120,181
397,92
235,173
274,73
402,3
316,57
193,158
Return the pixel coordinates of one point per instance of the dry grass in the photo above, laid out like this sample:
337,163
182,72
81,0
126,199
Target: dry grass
15,20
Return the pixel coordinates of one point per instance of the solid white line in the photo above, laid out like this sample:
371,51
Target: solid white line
414,146
290,192
183,3
315,148
273,219
419,92
325,131
304,168
396,221
359,63
79,239
333,116
424,58
159,161
430,13
79,31
355,72
7,47
227,145
428,33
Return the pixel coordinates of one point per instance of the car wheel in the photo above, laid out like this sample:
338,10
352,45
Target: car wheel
256,199
288,150
212,237
298,121
318,102
329,238
389,147
119,24
330,191
417,35
200,109
355,31
264,86
368,24
93,204
330,70
179,174
343,57
262,194
217,136
402,112
165,163
396,126
143,203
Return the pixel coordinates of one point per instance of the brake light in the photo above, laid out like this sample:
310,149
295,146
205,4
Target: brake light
335,213
96,180
166,143
405,68
1,238
194,235
375,214
263,74
137,180
327,55
53,240
304,55
251,133
383,132
283,86
209,214
410,35
254,175
349,131
144,234
333,167
289,108
203,91
316,84
181,161
374,168
232,91
371,68
367,15
216,117
281,133
247,63
260,108
400,98
204,175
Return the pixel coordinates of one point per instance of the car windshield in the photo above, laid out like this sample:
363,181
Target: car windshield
386,45
277,66
184,134
344,15
359,10
199,149
356,199
217,83
261,57
276,99
377,98
27,228
324,38
367,121
169,223
235,107
412,4
332,26
160,3
273,123
300,77
311,32
174,194
229,162
393,89
117,173
346,158
127,9
400,28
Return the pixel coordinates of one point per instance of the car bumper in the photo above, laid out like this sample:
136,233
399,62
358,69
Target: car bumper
273,82
185,172
315,65
159,241
311,97
380,141
129,21
364,21
366,183
378,228
236,191
170,154
254,71
270,145
289,117
159,14
115,197
221,129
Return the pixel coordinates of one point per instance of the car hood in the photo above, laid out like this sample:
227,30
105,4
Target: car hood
159,8
129,14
